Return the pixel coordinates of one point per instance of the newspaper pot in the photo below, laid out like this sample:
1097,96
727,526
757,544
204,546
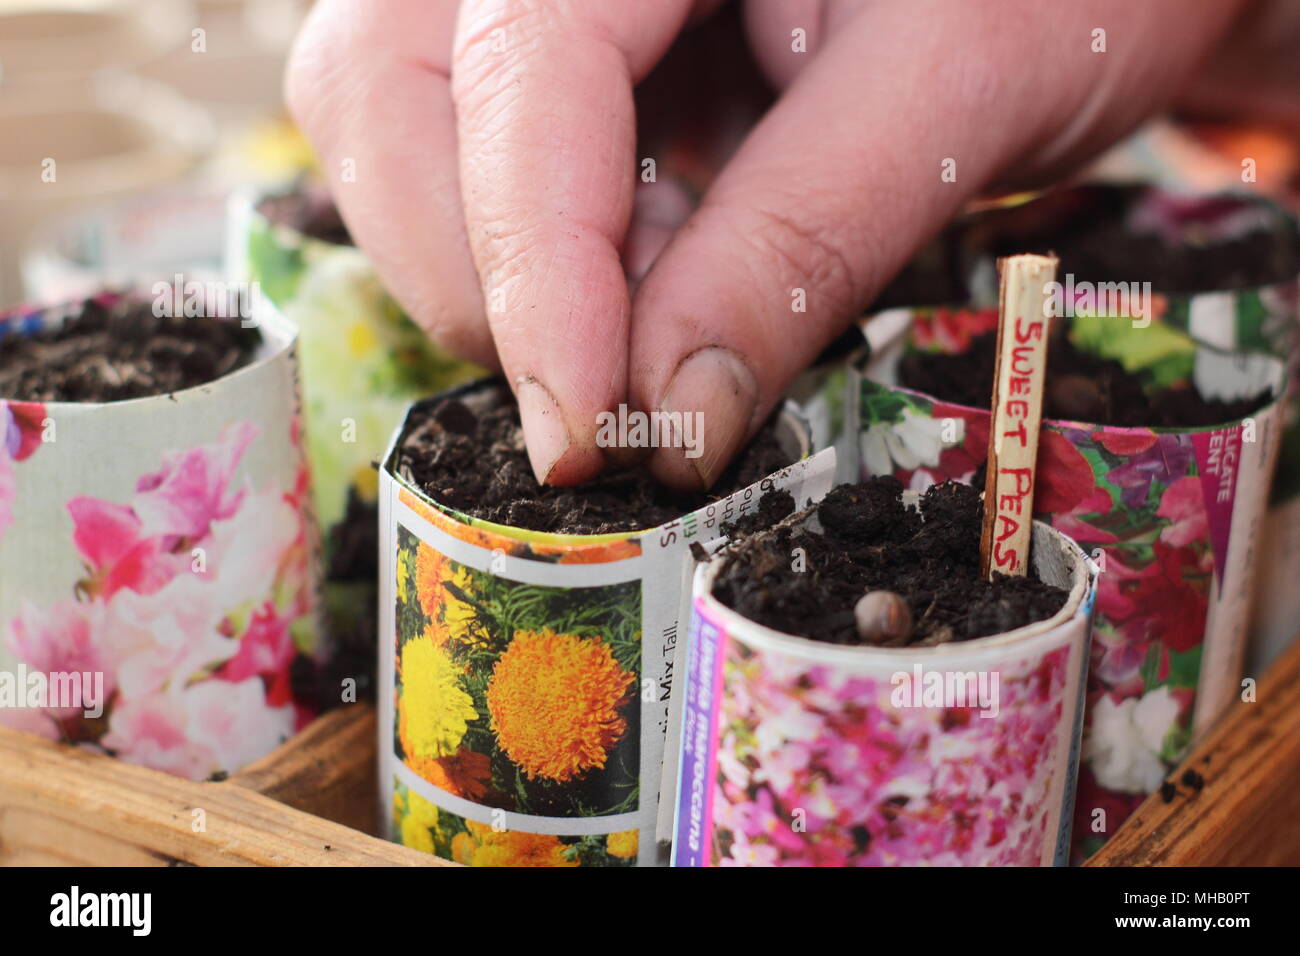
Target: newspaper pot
1171,515
475,763
363,363
801,753
162,549
1257,310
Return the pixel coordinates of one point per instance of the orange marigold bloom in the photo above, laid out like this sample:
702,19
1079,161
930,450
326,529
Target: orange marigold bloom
515,848
554,701
623,844
430,569
464,774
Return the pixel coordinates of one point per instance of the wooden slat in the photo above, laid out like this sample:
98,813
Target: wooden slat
64,805
1248,812
328,770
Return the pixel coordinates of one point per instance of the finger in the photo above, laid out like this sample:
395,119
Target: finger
544,106
842,179
368,83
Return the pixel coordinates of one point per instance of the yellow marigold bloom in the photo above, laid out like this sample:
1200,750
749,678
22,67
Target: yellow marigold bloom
515,848
434,710
623,844
421,809
402,576
462,848
418,824
554,701
430,568
416,835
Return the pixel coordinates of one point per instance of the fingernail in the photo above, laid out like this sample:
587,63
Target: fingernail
717,385
545,433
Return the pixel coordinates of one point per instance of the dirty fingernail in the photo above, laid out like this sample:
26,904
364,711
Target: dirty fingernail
544,429
716,395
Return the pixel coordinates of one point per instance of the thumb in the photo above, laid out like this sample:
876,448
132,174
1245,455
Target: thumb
544,111
908,111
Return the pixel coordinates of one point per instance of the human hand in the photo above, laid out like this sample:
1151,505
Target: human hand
495,150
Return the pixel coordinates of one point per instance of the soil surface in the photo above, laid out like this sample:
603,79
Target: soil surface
1081,387
872,541
310,211
110,354
477,464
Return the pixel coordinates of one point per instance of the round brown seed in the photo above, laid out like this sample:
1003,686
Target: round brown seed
883,618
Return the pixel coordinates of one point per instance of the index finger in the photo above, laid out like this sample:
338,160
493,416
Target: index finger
547,140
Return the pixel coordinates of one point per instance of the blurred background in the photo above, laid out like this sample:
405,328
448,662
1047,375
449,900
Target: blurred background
126,125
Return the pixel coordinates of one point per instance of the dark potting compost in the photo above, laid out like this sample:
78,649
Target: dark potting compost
870,541
1080,387
476,463
308,210
113,353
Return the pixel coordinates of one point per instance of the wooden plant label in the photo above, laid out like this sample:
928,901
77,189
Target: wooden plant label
1024,318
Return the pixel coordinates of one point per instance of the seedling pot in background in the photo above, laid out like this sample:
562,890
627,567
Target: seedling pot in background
527,678
801,753
363,363
1173,516
167,545
1251,303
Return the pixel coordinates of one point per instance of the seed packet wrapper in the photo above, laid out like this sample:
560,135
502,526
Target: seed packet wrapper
800,753
363,363
1268,320
159,565
528,679
1172,516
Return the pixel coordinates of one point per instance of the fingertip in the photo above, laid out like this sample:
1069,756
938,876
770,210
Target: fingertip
578,464
557,458
711,402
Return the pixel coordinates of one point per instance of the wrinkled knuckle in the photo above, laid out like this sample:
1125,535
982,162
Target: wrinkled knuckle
495,43
811,256
506,247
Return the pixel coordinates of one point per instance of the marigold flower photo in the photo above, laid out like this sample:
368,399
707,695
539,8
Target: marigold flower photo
555,702
517,696
422,825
